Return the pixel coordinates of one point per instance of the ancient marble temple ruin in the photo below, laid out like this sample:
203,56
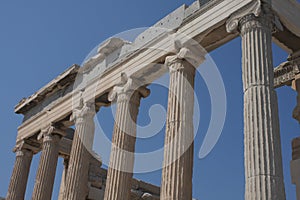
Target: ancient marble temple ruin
58,119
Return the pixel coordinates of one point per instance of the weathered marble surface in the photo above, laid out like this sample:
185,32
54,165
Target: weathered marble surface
44,181
206,25
262,144
77,176
177,170
120,172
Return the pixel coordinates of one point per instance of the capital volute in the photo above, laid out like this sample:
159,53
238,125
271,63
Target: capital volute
192,55
253,8
85,111
127,88
251,13
26,147
49,131
20,147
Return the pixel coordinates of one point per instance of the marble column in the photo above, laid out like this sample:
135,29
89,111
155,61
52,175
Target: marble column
63,179
296,87
295,165
178,149
262,144
18,181
120,170
44,182
295,162
77,177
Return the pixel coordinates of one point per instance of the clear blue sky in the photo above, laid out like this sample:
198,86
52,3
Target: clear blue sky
39,40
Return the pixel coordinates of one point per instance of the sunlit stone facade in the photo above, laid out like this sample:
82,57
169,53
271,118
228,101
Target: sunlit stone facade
59,118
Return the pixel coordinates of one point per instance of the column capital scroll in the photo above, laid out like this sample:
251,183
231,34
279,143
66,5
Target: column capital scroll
253,11
86,111
26,146
192,55
50,131
127,87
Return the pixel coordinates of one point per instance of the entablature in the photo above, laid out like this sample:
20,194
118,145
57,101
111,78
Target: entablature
205,24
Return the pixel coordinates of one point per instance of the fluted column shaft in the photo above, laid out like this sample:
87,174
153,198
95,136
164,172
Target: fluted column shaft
44,182
120,170
295,165
18,181
178,149
76,187
263,159
295,162
63,180
296,87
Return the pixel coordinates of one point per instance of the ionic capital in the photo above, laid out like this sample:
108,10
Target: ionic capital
26,148
48,132
193,56
252,13
86,111
23,152
127,88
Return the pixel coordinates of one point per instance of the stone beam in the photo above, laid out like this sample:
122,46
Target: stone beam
65,147
198,24
206,25
62,81
286,73
97,181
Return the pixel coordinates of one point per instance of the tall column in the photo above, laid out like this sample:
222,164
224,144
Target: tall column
18,181
63,179
178,149
295,165
77,177
262,145
296,87
295,162
47,167
120,170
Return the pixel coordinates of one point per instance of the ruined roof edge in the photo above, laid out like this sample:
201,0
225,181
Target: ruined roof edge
38,96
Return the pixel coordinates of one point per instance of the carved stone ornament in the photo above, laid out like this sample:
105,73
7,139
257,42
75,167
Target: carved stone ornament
256,8
128,86
193,57
51,130
18,149
26,145
85,111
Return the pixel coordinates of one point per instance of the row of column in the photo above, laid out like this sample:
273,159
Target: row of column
120,172
18,181
74,186
47,167
263,163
